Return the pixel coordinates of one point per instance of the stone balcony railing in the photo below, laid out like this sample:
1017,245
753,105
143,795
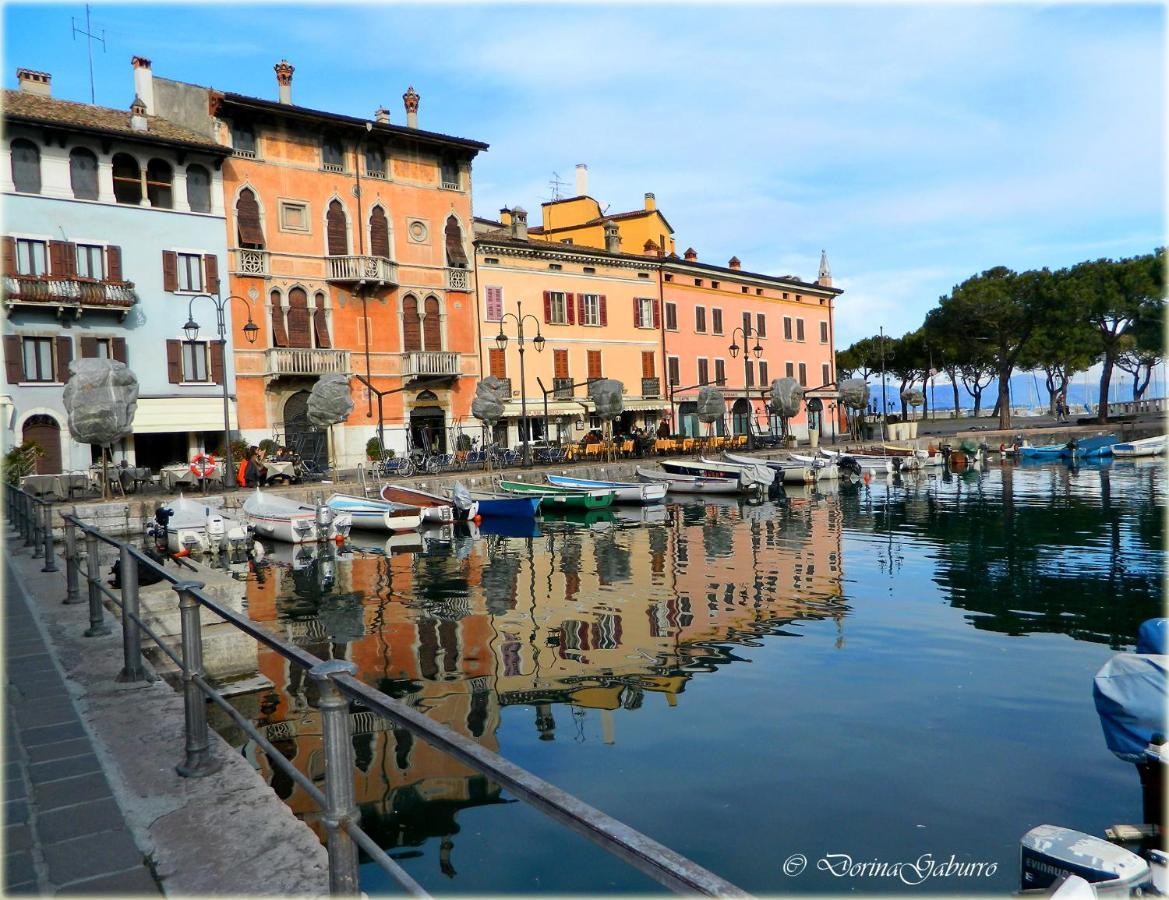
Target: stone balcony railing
651,387
458,279
250,262
77,294
430,362
367,269
562,389
306,361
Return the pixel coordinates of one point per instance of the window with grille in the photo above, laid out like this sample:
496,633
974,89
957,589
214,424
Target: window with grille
198,189
83,173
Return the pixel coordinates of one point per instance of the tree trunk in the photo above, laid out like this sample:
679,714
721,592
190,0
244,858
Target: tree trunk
976,393
1139,387
1004,401
1105,384
954,385
1052,392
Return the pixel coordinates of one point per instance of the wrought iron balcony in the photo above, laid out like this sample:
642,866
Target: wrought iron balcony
562,389
306,361
69,293
458,279
651,387
430,362
250,262
375,270
506,382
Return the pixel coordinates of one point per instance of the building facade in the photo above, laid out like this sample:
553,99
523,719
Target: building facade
114,229
351,240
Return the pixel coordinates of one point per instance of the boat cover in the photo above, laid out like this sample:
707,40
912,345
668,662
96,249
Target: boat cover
1130,698
461,497
1151,637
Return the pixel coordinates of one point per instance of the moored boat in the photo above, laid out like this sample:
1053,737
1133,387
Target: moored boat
379,515
507,506
563,498
435,508
623,491
788,471
194,527
693,484
1095,446
756,467
747,478
866,463
1151,446
273,516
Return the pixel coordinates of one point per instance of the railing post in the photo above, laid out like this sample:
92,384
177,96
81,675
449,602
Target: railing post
47,534
340,803
97,624
72,595
131,638
26,510
199,761
37,544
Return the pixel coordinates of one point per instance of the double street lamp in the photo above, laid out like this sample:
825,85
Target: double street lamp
538,342
733,349
251,332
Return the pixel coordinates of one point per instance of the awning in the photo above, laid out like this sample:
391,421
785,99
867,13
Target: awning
512,408
159,415
647,404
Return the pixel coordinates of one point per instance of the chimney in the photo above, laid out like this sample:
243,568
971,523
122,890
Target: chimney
735,263
519,223
381,115
35,82
825,276
612,237
143,82
411,98
582,179
505,217
138,115
650,248
284,71
691,254
650,201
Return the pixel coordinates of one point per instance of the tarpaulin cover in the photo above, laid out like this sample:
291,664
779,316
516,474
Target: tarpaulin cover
330,401
1130,698
100,399
1151,637
854,393
968,445
606,396
461,497
711,405
786,397
490,395
913,397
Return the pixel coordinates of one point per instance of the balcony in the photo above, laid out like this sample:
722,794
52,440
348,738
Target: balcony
68,294
430,362
306,361
506,382
252,263
375,270
651,387
458,279
562,389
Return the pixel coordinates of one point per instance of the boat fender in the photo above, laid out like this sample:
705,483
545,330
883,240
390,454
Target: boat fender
339,538
478,518
186,551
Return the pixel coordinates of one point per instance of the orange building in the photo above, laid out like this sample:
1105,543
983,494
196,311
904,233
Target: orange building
350,238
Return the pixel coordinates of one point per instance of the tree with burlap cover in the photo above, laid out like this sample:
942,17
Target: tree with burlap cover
100,399
608,404
785,400
490,395
712,407
329,402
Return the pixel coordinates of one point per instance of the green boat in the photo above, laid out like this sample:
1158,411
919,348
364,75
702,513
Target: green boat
559,498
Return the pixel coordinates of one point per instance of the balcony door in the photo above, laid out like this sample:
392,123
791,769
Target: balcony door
428,428
46,434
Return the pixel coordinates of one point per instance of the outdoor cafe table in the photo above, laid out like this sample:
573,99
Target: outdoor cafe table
280,468
180,475
62,486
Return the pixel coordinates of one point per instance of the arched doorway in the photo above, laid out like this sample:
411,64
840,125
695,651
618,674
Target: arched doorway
300,435
46,434
741,416
428,426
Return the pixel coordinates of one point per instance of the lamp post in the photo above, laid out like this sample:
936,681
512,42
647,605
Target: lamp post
538,343
733,349
251,331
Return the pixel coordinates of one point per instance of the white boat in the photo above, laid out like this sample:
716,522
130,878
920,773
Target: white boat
788,472
756,467
747,477
623,491
273,516
434,508
693,484
194,527
867,463
1152,446
379,515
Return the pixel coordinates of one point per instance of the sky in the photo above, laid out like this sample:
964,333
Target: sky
918,144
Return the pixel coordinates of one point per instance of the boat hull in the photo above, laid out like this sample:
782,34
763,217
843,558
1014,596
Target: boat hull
1154,446
688,484
286,520
376,515
434,508
557,497
746,478
508,507
623,491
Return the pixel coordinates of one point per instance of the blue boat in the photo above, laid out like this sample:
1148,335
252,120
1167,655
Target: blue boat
1096,446
507,506
1048,451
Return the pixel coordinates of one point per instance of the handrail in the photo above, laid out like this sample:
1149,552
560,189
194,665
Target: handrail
336,678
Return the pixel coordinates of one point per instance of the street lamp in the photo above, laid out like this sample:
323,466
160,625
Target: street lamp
538,342
757,350
251,332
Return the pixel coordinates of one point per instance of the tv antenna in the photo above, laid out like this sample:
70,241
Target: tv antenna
90,37
556,184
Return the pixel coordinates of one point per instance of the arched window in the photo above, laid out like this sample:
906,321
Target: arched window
279,333
26,166
332,153
247,220
198,189
411,325
83,173
127,179
431,330
159,177
375,161
320,320
337,229
298,319
456,255
379,233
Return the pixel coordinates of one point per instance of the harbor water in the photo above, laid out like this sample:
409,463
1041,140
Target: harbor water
895,671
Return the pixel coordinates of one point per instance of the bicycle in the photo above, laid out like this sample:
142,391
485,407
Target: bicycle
402,466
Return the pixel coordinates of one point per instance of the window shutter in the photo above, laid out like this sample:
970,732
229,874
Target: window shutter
763,374
174,362
560,359
247,219
118,349
13,355
217,362
170,271
379,233
321,327
113,263
580,308
547,307
411,325
657,314
62,259
455,254
337,229
498,363
570,308
9,256
494,304
604,310
64,357
279,335
431,327
636,312
88,347
647,364
761,325
211,271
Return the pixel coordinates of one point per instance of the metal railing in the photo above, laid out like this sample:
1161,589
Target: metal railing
336,682
362,268
71,291
562,388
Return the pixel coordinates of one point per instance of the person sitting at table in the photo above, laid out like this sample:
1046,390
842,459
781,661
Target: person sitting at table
663,429
241,474
593,437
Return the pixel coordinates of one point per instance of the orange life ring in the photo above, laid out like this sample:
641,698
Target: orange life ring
203,465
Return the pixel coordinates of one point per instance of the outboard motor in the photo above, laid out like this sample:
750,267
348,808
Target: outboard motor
1048,853
156,529
848,464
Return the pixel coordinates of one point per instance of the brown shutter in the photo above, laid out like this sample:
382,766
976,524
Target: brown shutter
113,263
70,260
9,252
118,349
174,362
247,219
88,347
547,307
379,233
455,254
657,314
594,364
647,364
64,357
321,327
211,271
170,271
431,332
636,312
580,308
570,308
604,310
279,335
13,356
337,229
59,259
498,363
560,363
217,362
299,334
411,326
